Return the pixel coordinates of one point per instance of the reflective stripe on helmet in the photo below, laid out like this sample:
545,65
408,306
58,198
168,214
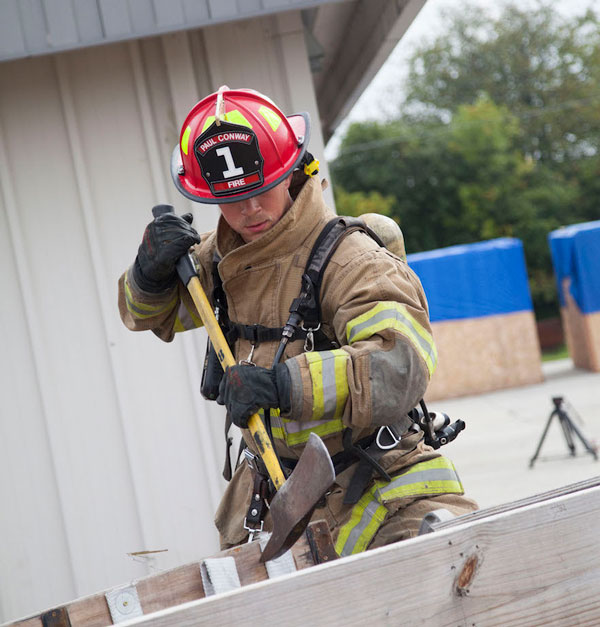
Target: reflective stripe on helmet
235,117
271,117
185,138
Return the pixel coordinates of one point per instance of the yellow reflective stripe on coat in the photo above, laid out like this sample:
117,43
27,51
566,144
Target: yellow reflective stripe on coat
329,383
293,432
436,476
392,315
186,319
145,310
330,392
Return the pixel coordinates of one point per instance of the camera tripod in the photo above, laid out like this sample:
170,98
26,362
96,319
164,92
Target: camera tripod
568,428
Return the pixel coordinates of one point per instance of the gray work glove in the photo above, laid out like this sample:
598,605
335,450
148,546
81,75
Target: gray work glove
246,389
166,239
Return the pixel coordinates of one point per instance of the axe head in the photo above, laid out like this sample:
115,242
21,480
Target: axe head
294,503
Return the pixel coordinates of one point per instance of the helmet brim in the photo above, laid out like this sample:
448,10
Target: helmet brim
300,124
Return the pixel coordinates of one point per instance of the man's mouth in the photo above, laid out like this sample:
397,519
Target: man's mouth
259,226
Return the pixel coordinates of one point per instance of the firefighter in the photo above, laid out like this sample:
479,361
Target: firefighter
352,379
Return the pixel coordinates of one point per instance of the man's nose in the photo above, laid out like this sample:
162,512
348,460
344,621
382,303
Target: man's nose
250,205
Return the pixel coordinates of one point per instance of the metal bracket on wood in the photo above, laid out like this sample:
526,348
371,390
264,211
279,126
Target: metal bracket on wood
58,617
320,542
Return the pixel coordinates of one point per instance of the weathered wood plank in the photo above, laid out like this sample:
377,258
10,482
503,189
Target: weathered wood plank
537,565
90,611
184,583
36,621
512,505
170,588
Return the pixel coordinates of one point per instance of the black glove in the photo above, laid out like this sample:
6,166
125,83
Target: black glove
166,239
245,389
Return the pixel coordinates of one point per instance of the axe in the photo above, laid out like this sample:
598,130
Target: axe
296,498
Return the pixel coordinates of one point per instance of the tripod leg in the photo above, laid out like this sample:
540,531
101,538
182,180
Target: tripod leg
566,426
572,426
539,446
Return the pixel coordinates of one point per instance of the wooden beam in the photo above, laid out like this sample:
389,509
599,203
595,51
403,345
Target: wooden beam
184,583
535,565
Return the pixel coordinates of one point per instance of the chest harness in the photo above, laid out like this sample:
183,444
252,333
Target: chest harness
304,323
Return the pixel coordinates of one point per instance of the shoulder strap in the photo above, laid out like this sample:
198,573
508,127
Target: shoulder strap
325,245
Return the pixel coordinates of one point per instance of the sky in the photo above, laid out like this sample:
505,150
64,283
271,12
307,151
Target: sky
426,26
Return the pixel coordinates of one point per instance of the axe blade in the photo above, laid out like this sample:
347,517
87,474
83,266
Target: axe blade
293,504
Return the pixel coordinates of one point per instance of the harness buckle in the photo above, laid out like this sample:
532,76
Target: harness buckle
395,438
252,531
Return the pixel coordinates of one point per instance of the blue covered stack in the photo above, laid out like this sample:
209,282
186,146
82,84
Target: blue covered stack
576,258
482,317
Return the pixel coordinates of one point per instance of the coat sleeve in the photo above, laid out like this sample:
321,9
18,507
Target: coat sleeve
377,309
165,313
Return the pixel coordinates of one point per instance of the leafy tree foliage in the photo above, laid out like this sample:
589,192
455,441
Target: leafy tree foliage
544,69
357,203
499,136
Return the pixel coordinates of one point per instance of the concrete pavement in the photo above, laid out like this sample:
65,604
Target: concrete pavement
503,430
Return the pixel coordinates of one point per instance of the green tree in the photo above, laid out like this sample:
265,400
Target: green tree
356,203
544,69
394,159
499,135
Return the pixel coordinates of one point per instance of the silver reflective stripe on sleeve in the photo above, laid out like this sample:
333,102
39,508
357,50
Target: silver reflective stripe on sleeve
393,315
436,476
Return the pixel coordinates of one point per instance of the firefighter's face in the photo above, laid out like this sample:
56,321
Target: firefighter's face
254,216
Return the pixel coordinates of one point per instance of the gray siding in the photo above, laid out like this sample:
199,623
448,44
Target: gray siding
106,446
34,27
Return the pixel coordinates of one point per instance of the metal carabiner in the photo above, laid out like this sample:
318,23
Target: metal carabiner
309,342
395,439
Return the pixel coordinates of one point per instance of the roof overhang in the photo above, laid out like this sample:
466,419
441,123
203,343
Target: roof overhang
347,40
357,38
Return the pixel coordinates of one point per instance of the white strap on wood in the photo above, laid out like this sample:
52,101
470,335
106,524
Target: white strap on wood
123,604
433,517
219,574
282,565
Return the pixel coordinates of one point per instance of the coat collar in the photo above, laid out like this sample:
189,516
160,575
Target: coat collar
306,214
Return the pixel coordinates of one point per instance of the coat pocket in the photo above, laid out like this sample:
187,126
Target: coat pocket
231,512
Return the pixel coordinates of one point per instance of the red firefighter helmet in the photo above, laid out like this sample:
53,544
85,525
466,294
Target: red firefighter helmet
235,144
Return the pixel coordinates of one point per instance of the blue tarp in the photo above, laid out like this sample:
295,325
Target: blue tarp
474,280
576,256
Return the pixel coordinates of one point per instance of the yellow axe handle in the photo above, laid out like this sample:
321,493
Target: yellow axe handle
255,424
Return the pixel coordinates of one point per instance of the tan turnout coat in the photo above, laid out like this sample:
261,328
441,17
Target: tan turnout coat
372,304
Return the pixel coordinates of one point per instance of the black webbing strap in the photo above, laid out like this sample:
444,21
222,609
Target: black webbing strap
325,245
257,510
227,471
257,333
366,468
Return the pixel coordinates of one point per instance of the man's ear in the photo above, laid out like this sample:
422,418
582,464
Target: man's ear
288,180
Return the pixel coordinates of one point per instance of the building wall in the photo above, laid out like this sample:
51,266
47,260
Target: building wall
106,446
